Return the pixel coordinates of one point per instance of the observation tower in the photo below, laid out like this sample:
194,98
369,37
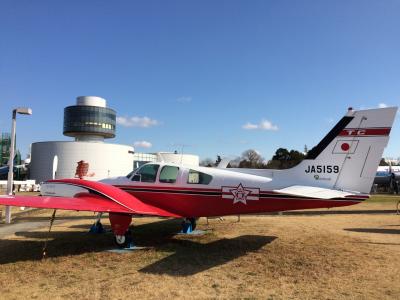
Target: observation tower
89,120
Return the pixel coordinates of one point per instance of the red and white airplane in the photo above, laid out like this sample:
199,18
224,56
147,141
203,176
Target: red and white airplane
339,171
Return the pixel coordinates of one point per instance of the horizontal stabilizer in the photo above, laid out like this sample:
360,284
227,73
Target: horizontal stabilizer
314,192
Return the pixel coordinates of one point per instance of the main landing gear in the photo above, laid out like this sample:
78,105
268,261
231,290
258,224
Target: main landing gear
188,225
120,227
97,227
123,236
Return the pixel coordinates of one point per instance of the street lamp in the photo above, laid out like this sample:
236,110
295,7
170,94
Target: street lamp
22,111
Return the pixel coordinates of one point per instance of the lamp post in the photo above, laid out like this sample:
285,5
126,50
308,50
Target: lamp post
22,111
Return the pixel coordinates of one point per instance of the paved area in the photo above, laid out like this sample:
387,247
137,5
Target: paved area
9,229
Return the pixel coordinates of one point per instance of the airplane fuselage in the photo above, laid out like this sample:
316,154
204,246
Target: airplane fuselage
227,193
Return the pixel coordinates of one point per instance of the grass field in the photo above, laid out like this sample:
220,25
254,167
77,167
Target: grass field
384,198
319,256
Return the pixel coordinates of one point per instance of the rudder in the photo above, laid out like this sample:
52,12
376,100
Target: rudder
348,156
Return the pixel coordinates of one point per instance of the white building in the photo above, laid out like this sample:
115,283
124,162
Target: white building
104,159
90,122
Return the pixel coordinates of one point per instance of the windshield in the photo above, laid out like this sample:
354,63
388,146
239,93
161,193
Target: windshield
130,174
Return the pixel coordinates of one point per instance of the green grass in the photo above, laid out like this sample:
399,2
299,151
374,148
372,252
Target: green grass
28,193
386,198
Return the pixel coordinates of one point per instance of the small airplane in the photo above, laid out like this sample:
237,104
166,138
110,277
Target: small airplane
387,177
4,169
385,174
339,171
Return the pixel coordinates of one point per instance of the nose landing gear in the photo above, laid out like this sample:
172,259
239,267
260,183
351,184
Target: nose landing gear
124,241
120,227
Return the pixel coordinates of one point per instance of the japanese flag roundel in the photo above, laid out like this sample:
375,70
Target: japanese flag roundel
345,147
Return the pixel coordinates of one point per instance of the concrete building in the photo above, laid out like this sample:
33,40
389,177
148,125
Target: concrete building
104,159
90,122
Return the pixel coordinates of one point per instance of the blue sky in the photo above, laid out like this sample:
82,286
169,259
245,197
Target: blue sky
201,72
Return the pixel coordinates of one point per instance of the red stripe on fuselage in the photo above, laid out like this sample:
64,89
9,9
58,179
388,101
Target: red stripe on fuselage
166,188
365,132
182,202
213,192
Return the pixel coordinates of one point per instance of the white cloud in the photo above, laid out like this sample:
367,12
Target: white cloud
184,99
382,105
267,125
263,125
142,144
250,126
144,122
330,120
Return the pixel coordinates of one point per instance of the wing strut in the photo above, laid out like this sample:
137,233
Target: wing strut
53,217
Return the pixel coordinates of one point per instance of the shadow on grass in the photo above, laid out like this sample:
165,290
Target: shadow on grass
149,234
374,230
191,254
60,244
338,212
64,243
28,218
377,243
191,258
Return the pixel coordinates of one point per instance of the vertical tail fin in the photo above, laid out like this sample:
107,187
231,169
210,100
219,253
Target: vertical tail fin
348,156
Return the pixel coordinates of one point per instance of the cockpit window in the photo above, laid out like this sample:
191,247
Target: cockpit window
147,173
196,177
130,174
169,174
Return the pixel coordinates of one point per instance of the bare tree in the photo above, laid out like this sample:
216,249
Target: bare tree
251,159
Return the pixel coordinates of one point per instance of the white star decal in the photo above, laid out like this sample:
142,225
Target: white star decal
240,194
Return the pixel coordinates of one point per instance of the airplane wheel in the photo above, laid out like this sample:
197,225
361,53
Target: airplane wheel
123,241
193,222
120,240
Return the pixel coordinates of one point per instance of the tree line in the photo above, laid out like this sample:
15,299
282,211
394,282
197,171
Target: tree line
282,159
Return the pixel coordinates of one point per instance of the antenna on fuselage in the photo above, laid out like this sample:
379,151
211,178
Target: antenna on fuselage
183,146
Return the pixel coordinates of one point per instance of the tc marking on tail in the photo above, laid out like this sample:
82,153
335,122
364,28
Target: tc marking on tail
365,131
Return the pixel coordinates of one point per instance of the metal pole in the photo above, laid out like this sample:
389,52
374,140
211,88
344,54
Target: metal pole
11,164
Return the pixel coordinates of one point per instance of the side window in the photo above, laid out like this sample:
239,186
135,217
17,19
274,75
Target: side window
196,177
169,174
147,173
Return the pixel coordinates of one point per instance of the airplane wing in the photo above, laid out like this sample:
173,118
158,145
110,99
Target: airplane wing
82,203
317,192
98,197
